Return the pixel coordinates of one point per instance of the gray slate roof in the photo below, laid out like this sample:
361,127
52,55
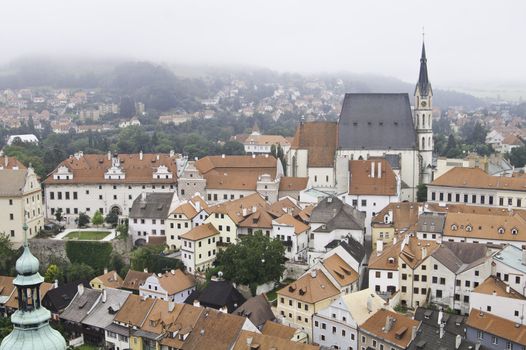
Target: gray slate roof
334,214
103,313
152,205
12,182
460,256
257,310
79,307
376,122
355,248
431,222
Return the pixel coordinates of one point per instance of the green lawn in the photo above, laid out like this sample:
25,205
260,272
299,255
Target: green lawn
87,347
87,235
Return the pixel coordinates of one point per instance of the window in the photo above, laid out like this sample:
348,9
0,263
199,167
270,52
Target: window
11,217
434,279
389,275
404,276
480,335
466,298
517,279
51,195
468,284
378,274
516,313
435,267
442,280
439,293
364,202
494,340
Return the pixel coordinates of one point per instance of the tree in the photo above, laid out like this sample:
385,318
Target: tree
112,218
58,215
79,271
122,229
149,257
83,220
255,260
53,273
8,255
517,156
97,218
421,194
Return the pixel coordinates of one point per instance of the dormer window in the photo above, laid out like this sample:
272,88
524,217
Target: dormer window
514,231
469,228
501,230
454,227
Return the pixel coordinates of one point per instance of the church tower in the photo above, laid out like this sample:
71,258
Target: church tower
423,117
31,329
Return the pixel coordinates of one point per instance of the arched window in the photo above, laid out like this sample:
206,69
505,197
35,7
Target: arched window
423,142
514,231
469,228
501,230
453,227
429,142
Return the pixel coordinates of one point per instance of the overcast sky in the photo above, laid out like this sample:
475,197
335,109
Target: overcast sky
468,40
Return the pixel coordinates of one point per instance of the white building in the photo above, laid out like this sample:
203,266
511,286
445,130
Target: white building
510,267
173,286
336,327
148,216
90,182
199,248
25,138
294,234
372,186
257,143
183,218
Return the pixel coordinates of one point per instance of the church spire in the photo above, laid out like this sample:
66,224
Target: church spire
423,80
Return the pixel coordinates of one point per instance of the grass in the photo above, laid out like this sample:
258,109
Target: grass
87,235
87,347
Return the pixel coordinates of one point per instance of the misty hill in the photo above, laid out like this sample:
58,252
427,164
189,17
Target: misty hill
165,87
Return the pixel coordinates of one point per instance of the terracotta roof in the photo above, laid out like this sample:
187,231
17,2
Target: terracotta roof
12,182
470,209
492,285
134,279
497,326
401,330
186,209
214,330
287,219
340,270
90,168
175,282
284,205
310,289
6,286
363,181
513,140
163,314
183,325
258,139
234,208
260,219
134,310
510,227
478,178
111,279
405,215
388,259
320,139
156,240
268,342
235,172
11,162
416,251
200,232
288,183
278,330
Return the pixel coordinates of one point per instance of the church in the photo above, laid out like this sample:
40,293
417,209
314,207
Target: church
370,125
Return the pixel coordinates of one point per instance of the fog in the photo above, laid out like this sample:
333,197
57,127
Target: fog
466,41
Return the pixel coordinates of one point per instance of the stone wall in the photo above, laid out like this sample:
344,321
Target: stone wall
47,250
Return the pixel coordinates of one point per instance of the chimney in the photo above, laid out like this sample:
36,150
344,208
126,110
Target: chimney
441,330
172,153
173,272
141,156
379,170
388,324
6,161
109,155
105,270
249,341
424,252
313,273
458,341
507,289
80,289
372,169
223,309
379,247
223,156
413,333
197,303
197,206
524,254
440,316
145,270
157,157
115,276
55,284
370,303
104,296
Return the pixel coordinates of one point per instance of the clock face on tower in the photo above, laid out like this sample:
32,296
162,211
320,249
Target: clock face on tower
423,103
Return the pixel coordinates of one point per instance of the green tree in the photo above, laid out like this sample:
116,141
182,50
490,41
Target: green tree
5,327
53,273
117,263
517,156
83,220
149,257
122,229
255,260
421,194
79,271
58,215
112,218
8,255
97,218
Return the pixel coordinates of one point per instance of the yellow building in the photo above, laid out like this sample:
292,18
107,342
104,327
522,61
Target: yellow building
393,221
20,201
199,248
298,301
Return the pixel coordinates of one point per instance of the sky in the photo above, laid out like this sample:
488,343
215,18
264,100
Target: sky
476,41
